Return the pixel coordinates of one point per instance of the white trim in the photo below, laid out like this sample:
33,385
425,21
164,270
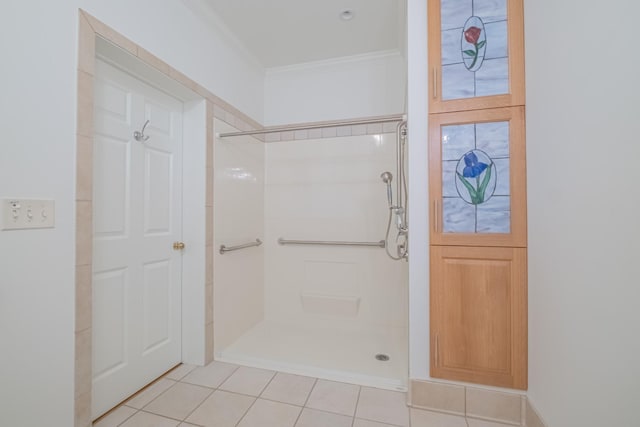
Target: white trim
370,56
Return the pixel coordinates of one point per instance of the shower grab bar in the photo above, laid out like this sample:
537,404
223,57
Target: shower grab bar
224,249
380,244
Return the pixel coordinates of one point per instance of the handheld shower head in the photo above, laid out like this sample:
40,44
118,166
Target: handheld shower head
386,178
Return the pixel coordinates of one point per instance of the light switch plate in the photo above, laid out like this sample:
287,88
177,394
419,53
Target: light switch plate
20,214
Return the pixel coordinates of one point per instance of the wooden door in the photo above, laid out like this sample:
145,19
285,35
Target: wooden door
479,315
137,217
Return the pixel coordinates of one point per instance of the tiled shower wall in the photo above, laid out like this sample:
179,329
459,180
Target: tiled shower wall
238,219
324,184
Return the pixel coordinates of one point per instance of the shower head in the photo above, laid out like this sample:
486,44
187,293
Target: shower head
386,178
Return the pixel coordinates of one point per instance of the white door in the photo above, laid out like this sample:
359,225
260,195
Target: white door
137,216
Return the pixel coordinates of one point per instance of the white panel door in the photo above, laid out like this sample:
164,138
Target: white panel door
137,197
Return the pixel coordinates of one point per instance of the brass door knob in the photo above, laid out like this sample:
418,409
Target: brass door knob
178,246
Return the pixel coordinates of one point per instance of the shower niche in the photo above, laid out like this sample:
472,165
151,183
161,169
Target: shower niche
477,191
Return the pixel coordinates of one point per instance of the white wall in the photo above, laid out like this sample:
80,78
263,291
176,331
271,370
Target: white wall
584,233
343,88
194,177
238,212
37,159
330,189
418,184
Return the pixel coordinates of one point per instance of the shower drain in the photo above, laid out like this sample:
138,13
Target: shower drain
382,357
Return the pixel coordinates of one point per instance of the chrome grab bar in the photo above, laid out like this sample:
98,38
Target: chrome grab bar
224,249
282,241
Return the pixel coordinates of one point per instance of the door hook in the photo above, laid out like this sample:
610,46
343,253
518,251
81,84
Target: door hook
139,135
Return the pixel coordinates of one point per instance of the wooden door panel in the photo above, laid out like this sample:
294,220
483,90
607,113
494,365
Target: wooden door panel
478,315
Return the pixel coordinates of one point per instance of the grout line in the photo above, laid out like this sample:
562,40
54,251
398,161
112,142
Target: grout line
161,416
465,403
355,409
267,385
315,381
199,405
225,378
163,392
130,416
183,376
381,422
246,412
298,417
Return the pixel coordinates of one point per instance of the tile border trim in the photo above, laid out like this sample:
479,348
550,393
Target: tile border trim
522,405
532,417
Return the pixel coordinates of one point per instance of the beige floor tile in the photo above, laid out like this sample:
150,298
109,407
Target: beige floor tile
143,398
334,397
265,413
287,388
187,425
144,419
314,418
116,417
384,406
472,422
221,409
366,423
179,372
420,418
212,375
179,401
251,381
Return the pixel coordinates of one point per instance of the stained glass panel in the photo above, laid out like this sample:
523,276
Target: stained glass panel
474,48
476,186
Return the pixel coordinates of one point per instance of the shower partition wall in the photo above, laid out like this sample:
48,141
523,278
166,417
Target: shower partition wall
238,218
329,310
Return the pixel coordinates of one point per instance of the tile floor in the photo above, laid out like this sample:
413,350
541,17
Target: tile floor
226,395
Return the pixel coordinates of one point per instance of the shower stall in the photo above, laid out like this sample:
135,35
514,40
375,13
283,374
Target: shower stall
313,275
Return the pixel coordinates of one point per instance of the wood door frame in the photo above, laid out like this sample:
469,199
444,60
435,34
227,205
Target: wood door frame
89,30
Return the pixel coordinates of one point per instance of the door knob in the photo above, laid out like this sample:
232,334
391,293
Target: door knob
178,246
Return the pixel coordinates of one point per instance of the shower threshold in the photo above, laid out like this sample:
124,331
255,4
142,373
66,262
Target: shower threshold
313,350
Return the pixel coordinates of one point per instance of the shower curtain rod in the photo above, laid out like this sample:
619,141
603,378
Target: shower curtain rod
385,119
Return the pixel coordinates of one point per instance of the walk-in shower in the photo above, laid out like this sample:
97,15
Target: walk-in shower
320,296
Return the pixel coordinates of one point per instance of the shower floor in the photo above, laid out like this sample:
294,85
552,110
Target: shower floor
337,354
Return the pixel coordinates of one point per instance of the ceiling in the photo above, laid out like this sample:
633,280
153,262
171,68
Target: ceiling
286,32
